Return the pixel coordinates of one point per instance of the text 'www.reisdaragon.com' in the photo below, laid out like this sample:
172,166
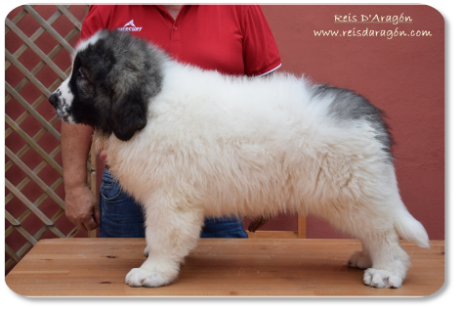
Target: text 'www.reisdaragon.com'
366,32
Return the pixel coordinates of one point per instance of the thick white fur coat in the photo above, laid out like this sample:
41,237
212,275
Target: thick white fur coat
247,146
218,145
252,146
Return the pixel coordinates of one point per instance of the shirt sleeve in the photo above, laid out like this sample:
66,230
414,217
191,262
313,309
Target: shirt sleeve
260,52
93,22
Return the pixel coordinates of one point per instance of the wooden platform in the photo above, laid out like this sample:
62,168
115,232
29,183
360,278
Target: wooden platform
217,267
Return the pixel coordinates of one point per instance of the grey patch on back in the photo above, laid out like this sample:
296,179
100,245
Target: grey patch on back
347,105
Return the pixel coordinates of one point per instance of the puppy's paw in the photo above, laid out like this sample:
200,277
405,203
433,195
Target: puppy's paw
359,260
382,278
140,277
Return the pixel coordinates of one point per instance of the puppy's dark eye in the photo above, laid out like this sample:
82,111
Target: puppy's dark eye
81,74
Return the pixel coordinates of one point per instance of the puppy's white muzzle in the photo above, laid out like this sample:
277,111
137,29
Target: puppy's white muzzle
61,99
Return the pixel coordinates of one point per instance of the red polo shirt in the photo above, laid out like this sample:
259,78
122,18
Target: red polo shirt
233,39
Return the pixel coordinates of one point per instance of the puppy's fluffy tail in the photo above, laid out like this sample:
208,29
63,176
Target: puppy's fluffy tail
410,229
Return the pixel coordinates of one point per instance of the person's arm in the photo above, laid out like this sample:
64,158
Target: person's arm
81,205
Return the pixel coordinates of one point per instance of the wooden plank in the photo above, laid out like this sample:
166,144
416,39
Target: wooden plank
48,28
30,239
301,227
13,59
41,64
26,246
93,157
93,179
11,219
70,16
34,177
32,111
36,170
27,74
218,267
40,199
44,196
263,234
27,203
36,34
17,18
34,48
12,254
33,144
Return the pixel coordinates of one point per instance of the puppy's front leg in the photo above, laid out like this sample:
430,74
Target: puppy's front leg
171,233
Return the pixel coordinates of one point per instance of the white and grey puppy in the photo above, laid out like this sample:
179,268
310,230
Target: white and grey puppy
187,143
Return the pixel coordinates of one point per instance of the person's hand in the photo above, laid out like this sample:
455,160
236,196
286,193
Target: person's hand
82,208
256,223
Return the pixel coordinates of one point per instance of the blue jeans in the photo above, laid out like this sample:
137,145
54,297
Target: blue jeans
121,216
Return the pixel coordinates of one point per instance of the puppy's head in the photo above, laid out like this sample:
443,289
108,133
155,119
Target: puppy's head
114,75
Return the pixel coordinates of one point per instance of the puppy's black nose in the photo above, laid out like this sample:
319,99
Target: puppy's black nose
53,100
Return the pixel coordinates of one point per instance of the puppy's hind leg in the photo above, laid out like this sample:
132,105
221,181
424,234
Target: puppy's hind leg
172,231
372,222
360,259
389,261
386,262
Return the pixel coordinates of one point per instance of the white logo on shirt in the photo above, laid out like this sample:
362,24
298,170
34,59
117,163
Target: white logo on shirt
130,27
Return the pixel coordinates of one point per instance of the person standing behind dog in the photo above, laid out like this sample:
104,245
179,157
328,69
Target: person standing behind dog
232,39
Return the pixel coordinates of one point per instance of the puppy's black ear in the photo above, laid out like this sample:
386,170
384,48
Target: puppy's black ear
133,79
128,115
